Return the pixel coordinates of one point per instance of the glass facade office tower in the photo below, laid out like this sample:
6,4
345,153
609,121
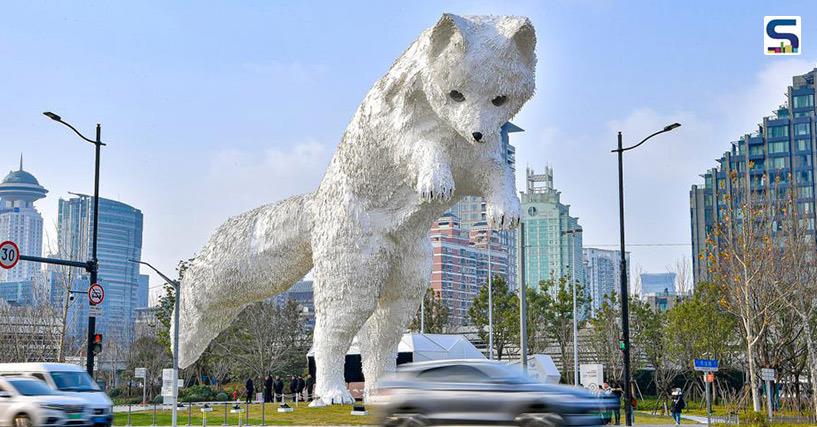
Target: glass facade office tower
553,249
21,223
602,269
783,147
120,240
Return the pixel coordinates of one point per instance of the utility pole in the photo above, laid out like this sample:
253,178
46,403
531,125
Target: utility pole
91,266
624,344
490,302
523,309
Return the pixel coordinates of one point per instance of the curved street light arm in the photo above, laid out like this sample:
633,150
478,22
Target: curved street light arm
666,129
167,279
57,118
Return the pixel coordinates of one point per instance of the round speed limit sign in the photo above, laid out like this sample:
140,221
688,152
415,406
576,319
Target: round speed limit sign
9,254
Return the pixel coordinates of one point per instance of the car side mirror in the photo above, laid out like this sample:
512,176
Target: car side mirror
5,394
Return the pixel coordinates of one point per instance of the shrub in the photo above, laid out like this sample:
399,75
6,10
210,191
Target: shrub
222,396
158,399
754,419
197,393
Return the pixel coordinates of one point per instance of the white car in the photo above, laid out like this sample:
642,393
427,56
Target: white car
69,380
27,402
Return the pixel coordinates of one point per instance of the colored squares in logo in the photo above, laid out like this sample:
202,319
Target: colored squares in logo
781,35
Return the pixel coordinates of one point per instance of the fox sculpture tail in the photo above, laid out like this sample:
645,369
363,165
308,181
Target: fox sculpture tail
251,257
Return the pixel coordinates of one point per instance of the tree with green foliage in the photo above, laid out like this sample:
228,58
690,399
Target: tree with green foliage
604,336
552,308
435,314
505,315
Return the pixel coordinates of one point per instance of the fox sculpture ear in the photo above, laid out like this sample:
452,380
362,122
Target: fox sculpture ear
524,38
448,31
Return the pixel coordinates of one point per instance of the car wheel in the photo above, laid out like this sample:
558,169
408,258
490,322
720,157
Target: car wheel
539,419
405,419
22,420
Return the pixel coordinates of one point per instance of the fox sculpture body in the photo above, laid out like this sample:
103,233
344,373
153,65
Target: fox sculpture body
426,134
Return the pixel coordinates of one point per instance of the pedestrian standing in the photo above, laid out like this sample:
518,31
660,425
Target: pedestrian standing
268,388
678,405
278,386
250,389
616,393
301,387
293,386
310,385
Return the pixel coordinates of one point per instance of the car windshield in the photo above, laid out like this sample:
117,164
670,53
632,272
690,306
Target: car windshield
28,387
74,381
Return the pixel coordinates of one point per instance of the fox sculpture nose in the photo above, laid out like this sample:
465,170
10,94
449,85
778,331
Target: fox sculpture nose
477,136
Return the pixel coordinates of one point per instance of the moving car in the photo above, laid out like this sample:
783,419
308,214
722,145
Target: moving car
69,380
480,392
28,402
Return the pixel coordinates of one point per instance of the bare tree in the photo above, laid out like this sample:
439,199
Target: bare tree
797,274
683,276
742,258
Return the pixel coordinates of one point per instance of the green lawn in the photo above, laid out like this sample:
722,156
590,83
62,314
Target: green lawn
303,415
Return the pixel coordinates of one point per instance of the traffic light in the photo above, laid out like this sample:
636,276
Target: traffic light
97,344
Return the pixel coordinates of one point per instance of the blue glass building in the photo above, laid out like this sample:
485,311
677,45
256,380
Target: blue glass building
782,148
119,241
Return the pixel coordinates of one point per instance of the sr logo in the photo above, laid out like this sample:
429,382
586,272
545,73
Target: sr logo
781,35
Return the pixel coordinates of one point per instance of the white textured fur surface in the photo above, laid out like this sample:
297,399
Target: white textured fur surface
408,154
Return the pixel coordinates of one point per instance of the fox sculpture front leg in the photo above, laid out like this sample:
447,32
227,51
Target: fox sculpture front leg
434,177
502,207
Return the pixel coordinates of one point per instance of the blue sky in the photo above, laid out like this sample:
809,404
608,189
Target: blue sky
212,108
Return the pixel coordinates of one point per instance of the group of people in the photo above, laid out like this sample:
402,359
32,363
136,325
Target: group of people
676,407
299,388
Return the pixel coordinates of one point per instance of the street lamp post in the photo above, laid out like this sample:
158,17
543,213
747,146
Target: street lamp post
572,234
93,264
490,302
176,298
523,303
625,310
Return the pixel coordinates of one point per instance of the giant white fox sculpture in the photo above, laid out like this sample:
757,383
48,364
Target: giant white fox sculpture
426,134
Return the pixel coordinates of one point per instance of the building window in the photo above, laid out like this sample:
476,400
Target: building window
777,163
801,129
803,144
802,114
775,131
805,192
756,150
778,147
802,101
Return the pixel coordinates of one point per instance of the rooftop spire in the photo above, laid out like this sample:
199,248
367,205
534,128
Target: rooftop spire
21,161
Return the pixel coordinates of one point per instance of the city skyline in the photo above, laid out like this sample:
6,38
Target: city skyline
206,117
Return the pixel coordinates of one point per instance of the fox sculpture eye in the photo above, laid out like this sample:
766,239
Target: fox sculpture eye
499,100
456,96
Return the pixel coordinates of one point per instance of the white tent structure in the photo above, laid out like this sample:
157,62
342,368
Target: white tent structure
423,347
542,368
412,348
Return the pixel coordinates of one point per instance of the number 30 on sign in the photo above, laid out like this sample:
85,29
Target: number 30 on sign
9,254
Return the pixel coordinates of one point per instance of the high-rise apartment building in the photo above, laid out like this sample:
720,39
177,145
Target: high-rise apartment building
119,242
782,149
657,283
460,242
553,238
602,271
21,223
461,263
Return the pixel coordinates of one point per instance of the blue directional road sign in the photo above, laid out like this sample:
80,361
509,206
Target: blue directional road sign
706,365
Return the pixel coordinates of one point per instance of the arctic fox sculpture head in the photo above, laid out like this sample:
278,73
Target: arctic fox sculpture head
480,71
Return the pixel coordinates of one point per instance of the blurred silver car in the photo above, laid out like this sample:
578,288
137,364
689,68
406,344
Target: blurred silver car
27,402
482,392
